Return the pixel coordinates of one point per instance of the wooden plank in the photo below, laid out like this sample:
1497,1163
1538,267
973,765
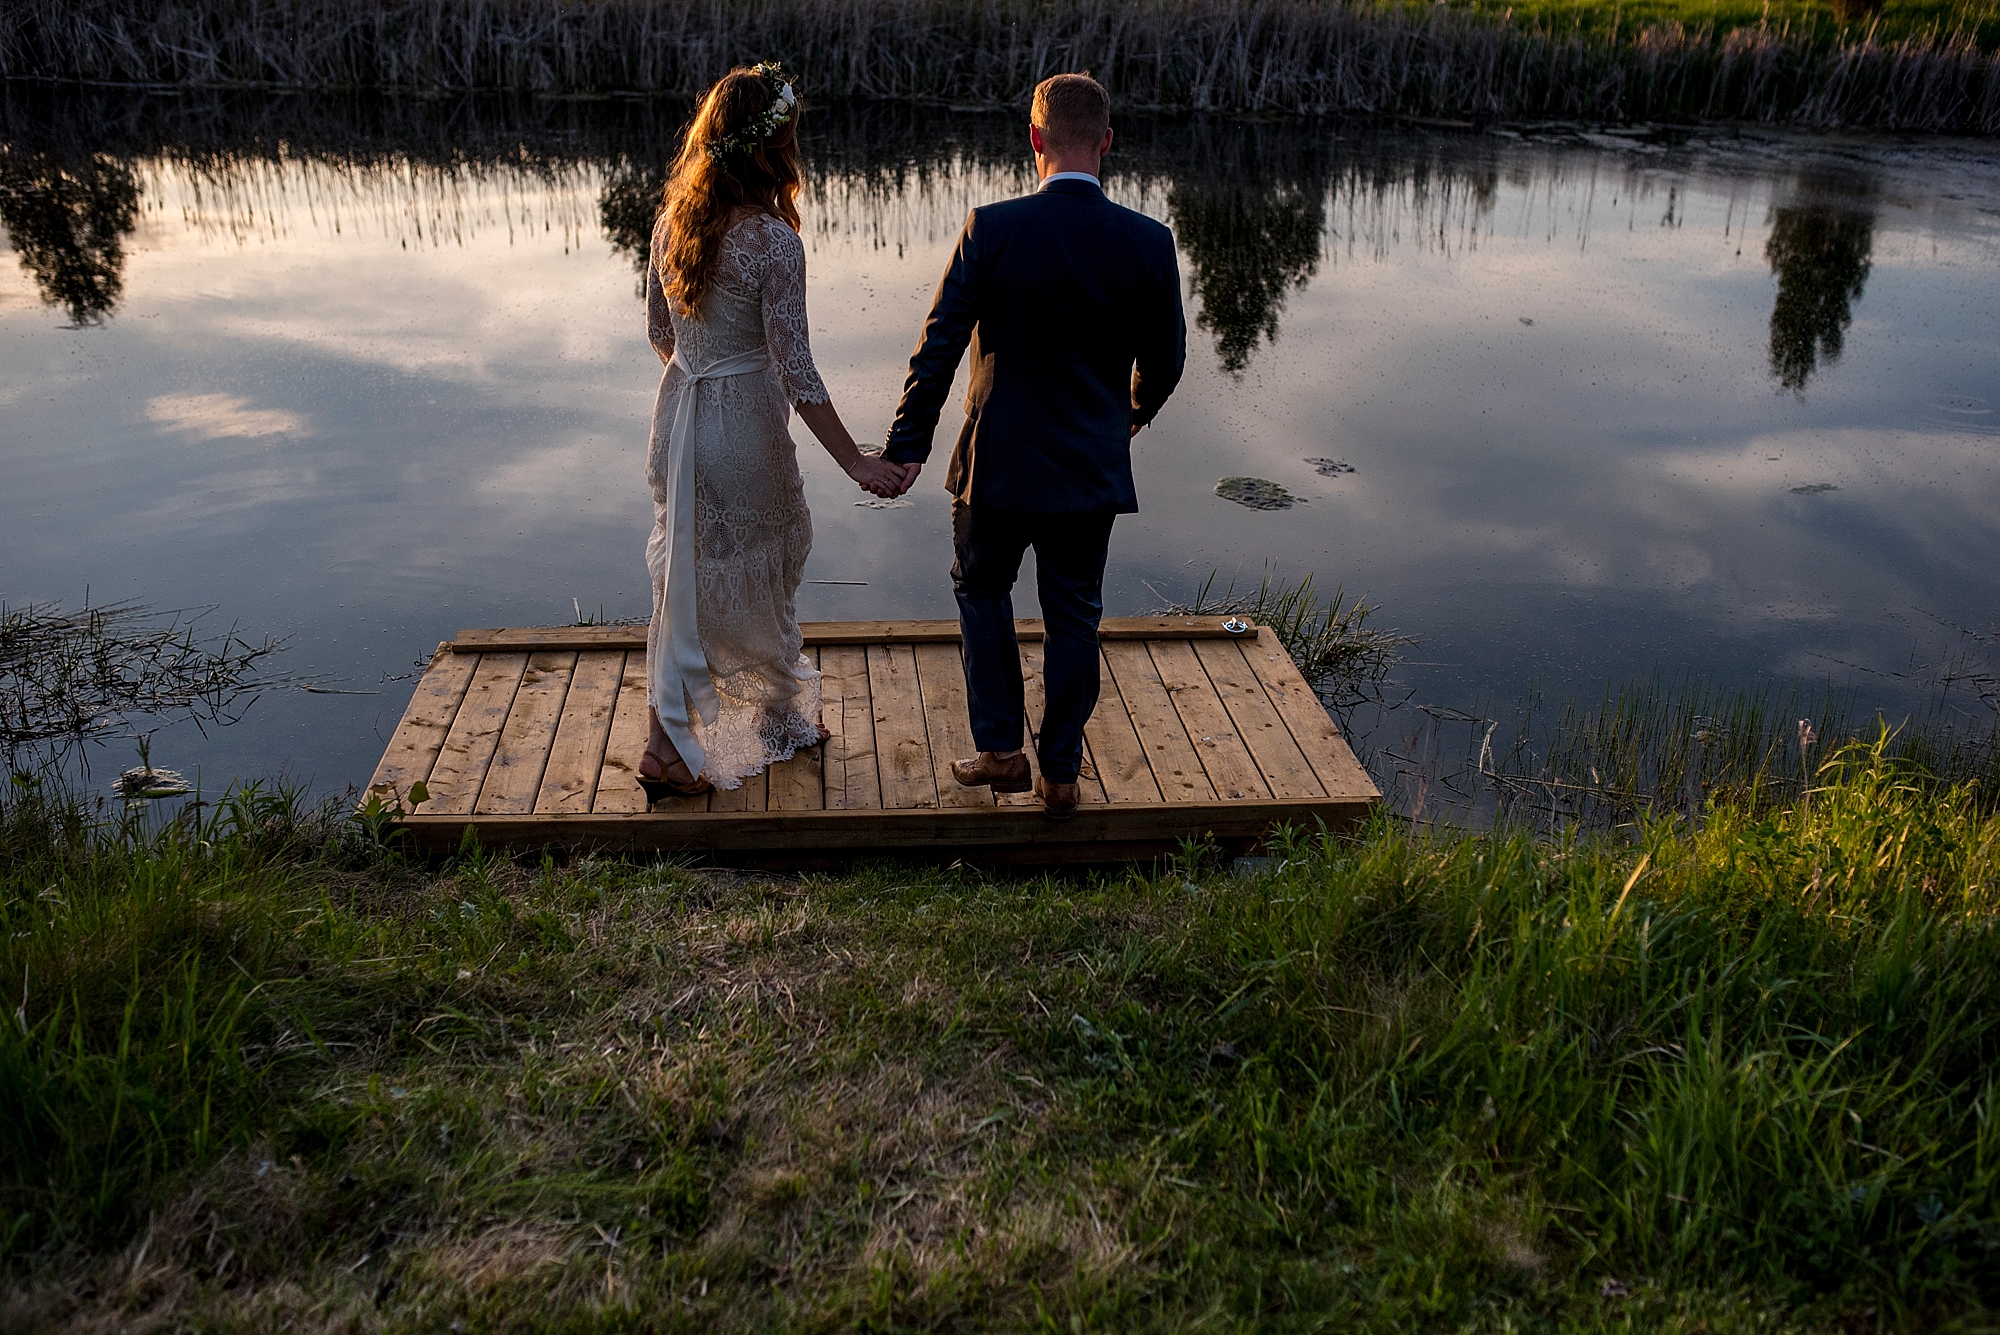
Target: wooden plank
413,750
941,679
753,794
618,790
521,758
1004,829
1223,754
902,742
852,783
799,784
1117,755
825,633
475,733
576,638
1284,767
1033,701
1311,727
1034,691
1149,706
577,757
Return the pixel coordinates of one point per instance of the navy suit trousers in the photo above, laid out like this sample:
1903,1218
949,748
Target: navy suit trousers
1069,574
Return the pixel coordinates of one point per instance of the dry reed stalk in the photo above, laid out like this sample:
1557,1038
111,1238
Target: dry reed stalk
1260,56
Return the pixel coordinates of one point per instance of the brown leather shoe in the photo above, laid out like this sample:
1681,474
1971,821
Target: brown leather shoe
988,770
1058,799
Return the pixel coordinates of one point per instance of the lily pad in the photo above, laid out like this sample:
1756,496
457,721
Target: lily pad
1255,492
1330,467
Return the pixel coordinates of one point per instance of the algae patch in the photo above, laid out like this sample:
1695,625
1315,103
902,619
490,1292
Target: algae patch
1257,493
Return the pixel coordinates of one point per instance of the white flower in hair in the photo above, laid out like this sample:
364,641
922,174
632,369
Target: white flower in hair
784,104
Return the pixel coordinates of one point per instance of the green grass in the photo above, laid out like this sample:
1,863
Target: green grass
1730,1076
1809,20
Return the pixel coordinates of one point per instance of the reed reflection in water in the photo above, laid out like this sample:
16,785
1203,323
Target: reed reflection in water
1250,204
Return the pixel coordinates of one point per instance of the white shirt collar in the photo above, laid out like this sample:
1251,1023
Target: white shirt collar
1051,179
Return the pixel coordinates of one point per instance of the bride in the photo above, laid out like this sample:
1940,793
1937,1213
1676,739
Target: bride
728,688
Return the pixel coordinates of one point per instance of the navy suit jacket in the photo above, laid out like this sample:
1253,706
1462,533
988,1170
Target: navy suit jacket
1072,305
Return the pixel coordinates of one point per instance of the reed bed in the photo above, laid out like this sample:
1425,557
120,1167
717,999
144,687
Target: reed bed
1254,56
1674,748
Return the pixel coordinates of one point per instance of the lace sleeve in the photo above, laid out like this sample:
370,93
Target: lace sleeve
659,319
784,296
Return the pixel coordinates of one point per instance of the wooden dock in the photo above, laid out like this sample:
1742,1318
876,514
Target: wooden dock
533,737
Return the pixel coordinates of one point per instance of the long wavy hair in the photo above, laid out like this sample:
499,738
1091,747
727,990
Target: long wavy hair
704,190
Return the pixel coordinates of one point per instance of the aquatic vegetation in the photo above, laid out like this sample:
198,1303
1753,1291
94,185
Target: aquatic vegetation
67,678
1256,493
1674,747
1330,467
1915,67
1343,658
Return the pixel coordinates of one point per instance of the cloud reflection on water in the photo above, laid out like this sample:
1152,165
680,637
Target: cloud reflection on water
370,390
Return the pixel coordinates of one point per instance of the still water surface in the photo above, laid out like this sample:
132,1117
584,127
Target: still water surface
361,375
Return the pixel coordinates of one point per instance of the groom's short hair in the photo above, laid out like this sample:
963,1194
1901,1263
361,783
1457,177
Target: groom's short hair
1072,111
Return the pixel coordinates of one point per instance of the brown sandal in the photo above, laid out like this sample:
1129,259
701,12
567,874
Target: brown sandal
662,788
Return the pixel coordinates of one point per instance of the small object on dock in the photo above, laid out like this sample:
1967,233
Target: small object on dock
1256,493
1203,729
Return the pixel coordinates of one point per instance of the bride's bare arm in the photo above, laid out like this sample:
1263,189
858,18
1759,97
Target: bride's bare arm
871,471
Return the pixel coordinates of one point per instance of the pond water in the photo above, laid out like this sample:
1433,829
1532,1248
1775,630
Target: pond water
363,373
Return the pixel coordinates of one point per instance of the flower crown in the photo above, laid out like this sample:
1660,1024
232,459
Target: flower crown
784,105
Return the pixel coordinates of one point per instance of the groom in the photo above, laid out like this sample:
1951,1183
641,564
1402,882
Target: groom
1072,305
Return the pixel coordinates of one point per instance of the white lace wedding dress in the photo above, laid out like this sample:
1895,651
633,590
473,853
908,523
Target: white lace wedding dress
738,695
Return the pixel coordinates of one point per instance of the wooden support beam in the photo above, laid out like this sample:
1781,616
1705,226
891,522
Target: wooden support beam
1155,823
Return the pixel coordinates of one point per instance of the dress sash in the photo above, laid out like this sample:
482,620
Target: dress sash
676,668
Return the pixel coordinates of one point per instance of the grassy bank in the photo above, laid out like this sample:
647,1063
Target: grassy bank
1729,1077
1919,65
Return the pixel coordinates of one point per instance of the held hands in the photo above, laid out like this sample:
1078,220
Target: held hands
876,475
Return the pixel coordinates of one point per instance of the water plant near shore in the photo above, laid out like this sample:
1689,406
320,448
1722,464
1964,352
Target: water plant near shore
1343,658
67,678
1262,56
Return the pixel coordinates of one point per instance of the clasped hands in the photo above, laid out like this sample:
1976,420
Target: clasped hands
879,477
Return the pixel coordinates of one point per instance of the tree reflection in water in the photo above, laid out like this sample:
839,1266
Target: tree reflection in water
68,220
1821,255
1250,241
627,206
